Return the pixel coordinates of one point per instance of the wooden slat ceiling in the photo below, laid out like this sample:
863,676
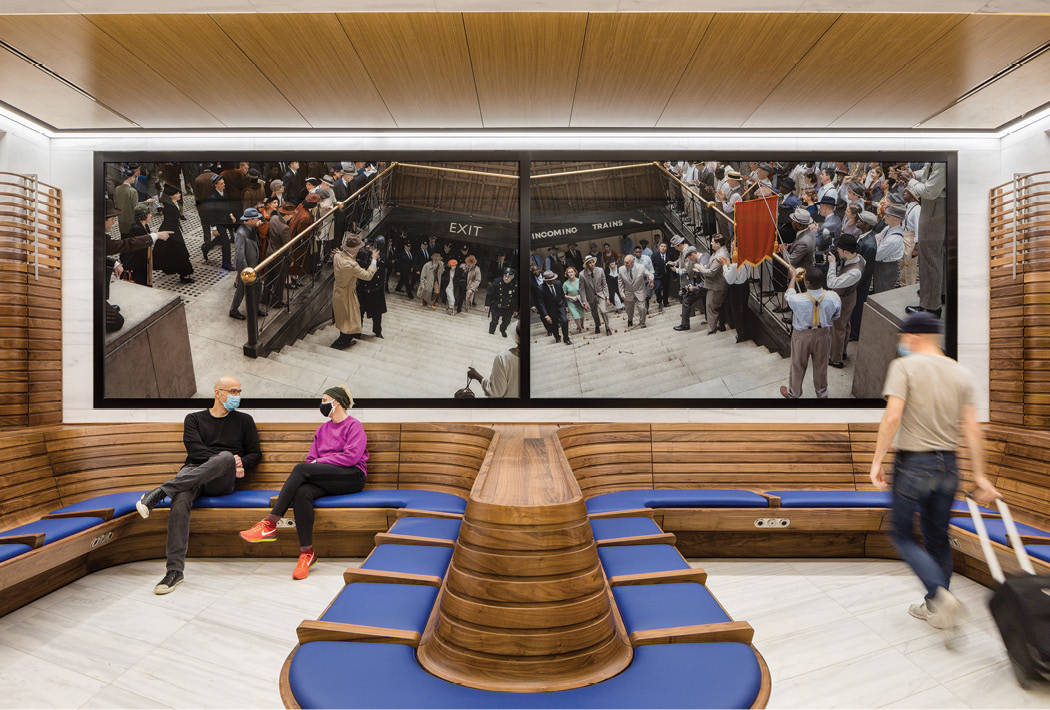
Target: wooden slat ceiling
500,70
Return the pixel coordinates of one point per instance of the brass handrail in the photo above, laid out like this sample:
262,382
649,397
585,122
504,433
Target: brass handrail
248,274
589,170
459,170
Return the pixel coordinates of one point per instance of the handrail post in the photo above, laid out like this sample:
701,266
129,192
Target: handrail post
36,229
1017,206
251,307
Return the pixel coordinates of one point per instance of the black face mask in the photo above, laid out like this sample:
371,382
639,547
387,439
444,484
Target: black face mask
326,408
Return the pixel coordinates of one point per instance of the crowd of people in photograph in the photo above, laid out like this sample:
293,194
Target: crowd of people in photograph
853,229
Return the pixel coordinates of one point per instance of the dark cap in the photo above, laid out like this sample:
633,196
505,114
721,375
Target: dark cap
896,199
215,178
312,180
828,200
788,183
253,175
509,271
766,166
857,188
922,323
111,210
895,211
847,242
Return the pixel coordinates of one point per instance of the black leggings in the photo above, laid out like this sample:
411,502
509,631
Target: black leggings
312,480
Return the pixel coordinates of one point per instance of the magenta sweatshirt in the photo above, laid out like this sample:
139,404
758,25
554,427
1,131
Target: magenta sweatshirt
341,444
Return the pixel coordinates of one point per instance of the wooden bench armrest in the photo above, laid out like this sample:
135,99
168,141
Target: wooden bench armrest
966,514
34,540
774,501
1035,540
669,577
726,631
334,631
356,574
104,513
394,539
656,539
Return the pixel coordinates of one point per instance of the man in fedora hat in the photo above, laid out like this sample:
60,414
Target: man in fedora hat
843,278
246,254
728,196
800,253
254,192
595,289
553,307
236,182
890,250
219,210
279,234
633,280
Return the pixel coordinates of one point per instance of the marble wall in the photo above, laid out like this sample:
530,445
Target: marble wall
68,163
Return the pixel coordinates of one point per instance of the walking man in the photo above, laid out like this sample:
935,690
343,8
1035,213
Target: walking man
927,396
633,280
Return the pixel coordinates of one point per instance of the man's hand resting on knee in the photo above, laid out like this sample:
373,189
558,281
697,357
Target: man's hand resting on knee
240,466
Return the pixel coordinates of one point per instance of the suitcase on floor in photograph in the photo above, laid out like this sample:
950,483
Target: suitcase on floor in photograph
1020,605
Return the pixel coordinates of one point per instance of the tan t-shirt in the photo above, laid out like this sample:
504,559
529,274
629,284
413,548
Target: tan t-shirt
934,390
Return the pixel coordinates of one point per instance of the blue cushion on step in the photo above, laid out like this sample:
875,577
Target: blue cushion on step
54,529
389,606
121,503
610,528
416,500
11,551
833,499
434,528
619,560
664,606
675,498
332,674
1040,552
997,529
411,559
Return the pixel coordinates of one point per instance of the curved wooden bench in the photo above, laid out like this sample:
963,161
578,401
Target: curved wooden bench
100,470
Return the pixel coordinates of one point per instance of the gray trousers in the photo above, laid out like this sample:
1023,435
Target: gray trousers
931,252
885,276
634,306
715,305
805,344
214,477
689,299
598,313
840,328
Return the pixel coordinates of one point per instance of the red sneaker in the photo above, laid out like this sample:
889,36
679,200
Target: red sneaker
302,567
262,531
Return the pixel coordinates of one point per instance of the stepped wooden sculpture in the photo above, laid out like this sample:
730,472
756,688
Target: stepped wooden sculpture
525,606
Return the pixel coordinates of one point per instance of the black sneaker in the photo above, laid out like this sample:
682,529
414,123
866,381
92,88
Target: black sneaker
149,501
171,580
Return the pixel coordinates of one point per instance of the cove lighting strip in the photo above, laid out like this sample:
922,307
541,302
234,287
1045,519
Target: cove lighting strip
539,133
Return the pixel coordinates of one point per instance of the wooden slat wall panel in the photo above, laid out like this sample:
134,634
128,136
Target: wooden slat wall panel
339,95
719,93
969,53
95,62
815,92
441,457
31,294
206,65
525,66
420,65
862,442
631,63
609,457
755,457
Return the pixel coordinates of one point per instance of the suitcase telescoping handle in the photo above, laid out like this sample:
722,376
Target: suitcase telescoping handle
1011,532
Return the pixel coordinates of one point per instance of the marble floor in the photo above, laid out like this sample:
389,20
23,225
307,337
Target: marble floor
835,633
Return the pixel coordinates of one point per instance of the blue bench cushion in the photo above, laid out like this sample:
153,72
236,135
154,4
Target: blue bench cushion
997,530
674,498
415,500
619,560
412,559
1040,552
54,529
121,503
435,528
237,499
332,674
388,606
833,499
609,528
8,552
663,606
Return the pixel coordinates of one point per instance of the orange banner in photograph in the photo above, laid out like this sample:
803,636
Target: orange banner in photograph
756,230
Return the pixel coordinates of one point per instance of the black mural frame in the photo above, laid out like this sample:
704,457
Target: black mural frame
524,158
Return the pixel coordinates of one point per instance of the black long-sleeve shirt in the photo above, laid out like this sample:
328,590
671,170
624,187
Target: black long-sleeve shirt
206,435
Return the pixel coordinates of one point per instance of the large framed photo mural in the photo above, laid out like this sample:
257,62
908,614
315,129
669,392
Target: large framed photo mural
631,279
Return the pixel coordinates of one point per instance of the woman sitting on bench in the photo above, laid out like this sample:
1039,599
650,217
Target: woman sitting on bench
335,466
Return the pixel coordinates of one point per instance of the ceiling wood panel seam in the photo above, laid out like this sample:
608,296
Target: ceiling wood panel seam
579,67
685,68
473,75
789,71
264,74
155,70
902,70
44,69
364,68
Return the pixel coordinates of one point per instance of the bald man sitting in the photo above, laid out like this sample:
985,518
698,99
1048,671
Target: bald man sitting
221,443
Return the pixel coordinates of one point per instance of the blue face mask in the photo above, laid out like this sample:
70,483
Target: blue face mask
902,350
232,402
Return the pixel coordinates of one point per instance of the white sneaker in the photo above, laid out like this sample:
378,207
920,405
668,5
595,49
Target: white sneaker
920,611
946,611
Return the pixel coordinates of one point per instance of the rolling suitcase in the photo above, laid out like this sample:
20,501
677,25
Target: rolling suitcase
1020,604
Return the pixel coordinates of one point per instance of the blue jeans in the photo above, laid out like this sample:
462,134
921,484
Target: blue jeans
924,481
